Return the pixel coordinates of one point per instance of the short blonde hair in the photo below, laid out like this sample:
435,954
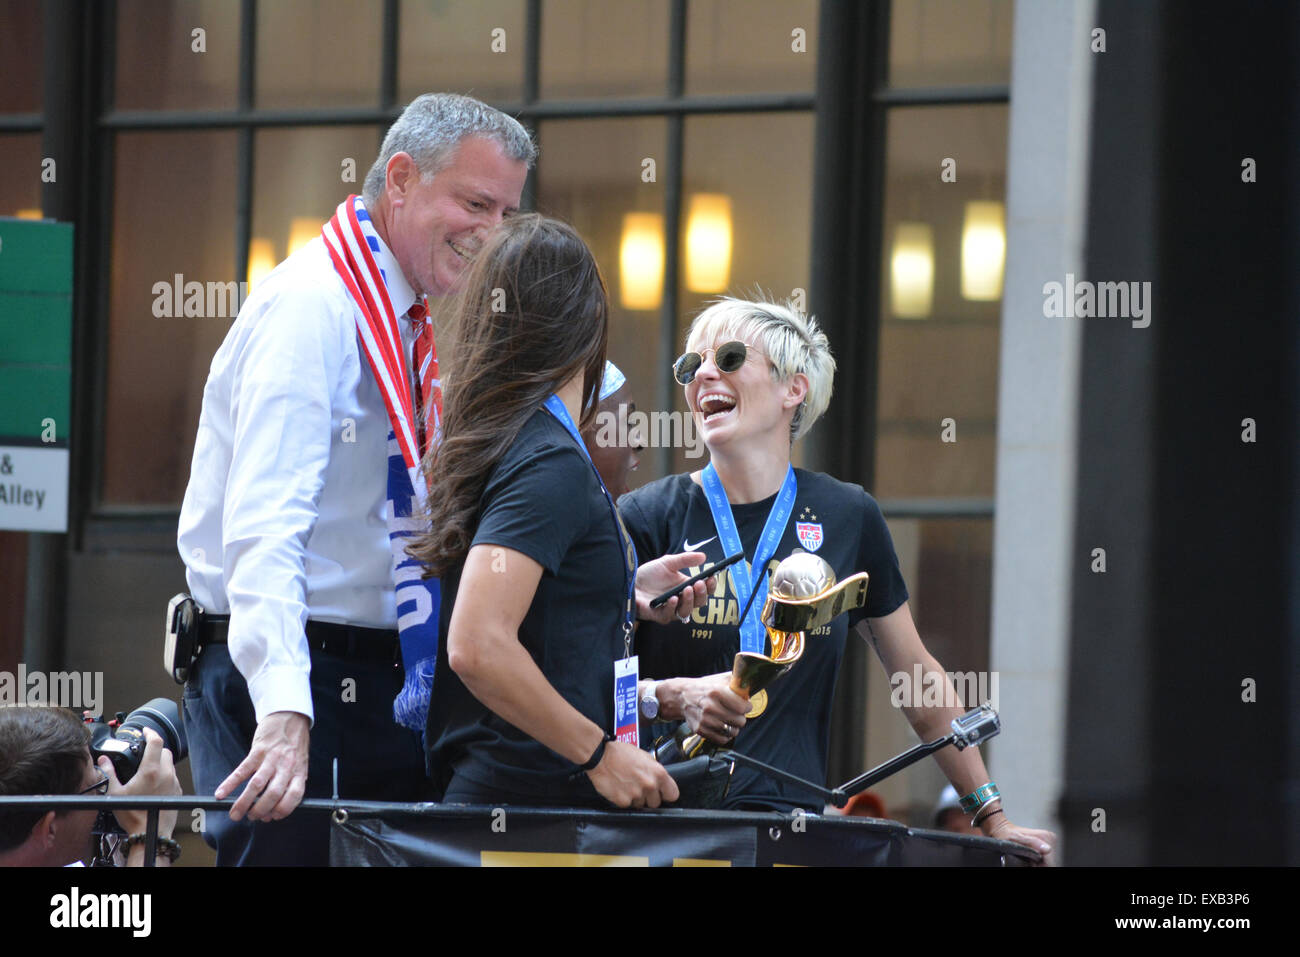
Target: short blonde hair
793,342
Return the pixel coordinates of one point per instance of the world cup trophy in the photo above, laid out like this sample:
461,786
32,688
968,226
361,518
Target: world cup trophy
802,596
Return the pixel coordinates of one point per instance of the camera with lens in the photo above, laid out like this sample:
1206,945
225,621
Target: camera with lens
122,740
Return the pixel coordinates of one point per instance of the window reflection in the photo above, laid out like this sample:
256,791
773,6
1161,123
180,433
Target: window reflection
951,588
158,363
22,70
940,300
20,186
761,164
948,567
475,48
174,54
297,185
751,46
597,48
590,174
949,42
316,53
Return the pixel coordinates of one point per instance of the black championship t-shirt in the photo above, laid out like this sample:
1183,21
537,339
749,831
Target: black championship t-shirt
542,499
838,522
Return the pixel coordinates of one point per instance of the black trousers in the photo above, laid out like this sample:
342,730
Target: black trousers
377,758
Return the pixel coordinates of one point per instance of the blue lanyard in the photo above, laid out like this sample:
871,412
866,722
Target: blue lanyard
753,636
557,409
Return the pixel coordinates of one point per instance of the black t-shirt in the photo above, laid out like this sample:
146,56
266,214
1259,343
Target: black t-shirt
838,522
542,499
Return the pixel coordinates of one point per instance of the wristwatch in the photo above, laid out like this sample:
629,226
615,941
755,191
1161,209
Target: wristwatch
649,702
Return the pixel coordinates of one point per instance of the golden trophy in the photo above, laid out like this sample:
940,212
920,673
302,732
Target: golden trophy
802,596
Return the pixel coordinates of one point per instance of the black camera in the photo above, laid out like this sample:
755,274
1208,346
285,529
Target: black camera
122,741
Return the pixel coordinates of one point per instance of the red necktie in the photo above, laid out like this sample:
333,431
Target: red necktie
424,371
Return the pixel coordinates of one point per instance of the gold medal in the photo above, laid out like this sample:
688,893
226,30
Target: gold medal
757,704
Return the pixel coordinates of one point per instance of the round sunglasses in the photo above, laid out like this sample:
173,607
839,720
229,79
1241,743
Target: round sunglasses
728,357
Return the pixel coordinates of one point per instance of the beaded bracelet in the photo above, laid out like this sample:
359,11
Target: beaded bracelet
165,846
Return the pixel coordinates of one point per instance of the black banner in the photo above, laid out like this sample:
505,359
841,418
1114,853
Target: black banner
515,836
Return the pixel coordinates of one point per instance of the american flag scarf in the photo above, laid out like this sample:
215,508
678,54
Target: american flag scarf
351,239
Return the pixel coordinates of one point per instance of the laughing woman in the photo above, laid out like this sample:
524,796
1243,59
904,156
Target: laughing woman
757,376
534,563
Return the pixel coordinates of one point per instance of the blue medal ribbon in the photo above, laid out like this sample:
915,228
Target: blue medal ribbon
557,409
753,636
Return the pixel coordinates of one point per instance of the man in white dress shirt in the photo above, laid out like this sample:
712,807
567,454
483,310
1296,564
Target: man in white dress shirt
283,528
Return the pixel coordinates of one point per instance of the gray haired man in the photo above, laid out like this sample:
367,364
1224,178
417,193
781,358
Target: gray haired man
285,525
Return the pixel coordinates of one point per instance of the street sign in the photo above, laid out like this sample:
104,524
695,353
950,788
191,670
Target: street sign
35,373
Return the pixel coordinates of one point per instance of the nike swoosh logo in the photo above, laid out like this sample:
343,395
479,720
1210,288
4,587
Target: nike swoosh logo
695,546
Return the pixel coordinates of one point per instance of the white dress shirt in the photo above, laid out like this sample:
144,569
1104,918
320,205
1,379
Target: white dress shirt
285,516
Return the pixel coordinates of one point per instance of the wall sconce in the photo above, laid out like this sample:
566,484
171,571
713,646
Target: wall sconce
708,242
983,251
911,270
302,230
261,260
641,261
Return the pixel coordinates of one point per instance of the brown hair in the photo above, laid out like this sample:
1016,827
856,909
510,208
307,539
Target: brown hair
533,314
42,751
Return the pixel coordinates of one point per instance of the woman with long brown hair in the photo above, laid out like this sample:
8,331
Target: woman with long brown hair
536,569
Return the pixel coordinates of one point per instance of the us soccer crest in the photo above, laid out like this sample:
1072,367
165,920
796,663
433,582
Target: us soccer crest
809,533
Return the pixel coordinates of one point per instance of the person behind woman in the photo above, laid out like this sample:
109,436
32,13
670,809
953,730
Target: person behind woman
615,449
757,376
534,563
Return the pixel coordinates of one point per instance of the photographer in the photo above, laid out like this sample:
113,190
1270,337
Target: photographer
47,751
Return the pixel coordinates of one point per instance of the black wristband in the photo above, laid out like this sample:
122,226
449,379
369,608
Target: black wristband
978,820
595,755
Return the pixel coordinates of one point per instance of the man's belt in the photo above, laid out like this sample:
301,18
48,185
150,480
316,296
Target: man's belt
326,637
